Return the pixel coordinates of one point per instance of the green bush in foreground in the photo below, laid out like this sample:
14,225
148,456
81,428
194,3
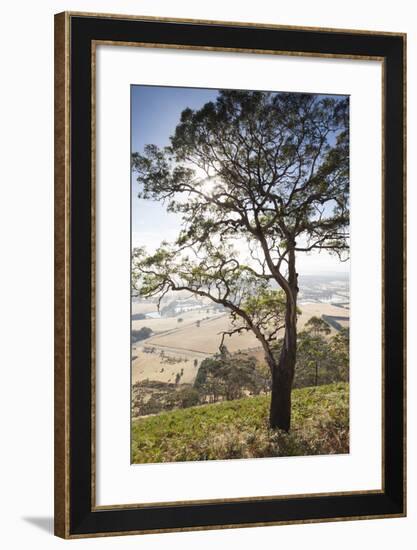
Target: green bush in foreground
239,429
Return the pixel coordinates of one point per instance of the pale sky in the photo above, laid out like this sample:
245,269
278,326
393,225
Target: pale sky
155,112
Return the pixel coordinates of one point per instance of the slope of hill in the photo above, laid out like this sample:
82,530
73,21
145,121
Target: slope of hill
238,429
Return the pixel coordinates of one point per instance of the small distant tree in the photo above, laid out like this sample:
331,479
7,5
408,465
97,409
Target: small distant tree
312,353
312,347
228,376
317,326
141,334
188,397
339,355
138,317
207,381
168,309
321,360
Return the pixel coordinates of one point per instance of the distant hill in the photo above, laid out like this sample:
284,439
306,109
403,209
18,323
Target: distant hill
238,429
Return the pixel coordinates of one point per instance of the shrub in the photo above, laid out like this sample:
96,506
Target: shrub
142,334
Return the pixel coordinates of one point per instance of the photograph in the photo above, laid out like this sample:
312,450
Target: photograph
240,274
229,299
207,264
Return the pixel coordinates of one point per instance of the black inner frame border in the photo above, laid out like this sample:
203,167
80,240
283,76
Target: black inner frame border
83,30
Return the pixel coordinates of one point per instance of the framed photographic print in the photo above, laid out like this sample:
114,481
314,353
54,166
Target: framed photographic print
229,275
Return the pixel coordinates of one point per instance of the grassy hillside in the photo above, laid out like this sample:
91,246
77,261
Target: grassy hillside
238,429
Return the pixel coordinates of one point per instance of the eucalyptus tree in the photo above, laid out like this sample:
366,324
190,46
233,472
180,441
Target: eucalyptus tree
257,178
313,351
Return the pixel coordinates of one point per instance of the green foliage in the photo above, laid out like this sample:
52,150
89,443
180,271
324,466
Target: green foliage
321,360
188,397
339,354
228,376
312,351
265,309
154,396
317,326
267,300
238,429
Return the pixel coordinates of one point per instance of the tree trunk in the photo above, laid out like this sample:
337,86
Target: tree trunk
283,371
282,379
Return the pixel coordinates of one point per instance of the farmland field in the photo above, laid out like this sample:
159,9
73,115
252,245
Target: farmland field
177,347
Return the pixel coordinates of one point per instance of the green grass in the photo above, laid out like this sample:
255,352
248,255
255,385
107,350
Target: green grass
238,429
